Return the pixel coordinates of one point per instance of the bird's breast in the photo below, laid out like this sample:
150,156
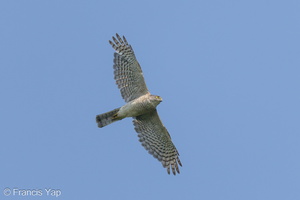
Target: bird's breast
136,107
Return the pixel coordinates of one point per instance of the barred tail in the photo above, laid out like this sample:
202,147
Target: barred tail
107,118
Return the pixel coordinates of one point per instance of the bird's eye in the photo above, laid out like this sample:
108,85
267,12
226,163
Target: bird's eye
157,97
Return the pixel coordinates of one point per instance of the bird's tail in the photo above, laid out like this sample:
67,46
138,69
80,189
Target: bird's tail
107,118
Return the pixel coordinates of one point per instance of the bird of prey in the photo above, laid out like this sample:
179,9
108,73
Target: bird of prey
140,105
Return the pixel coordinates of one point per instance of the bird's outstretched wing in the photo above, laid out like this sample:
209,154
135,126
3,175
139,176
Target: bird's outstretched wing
127,71
157,141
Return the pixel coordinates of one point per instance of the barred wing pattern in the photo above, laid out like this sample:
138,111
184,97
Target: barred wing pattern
127,71
157,141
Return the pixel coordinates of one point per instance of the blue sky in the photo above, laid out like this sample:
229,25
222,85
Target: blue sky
229,74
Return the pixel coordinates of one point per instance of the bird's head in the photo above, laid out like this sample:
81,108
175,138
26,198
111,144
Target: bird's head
156,99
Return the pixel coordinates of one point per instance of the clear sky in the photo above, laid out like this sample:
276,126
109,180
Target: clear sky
229,74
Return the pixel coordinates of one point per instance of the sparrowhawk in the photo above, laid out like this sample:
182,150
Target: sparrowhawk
141,106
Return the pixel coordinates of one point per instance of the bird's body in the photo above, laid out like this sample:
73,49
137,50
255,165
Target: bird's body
141,106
